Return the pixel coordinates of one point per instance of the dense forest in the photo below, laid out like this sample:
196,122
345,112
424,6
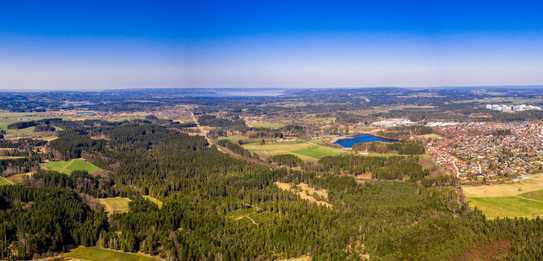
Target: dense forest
218,207
45,220
287,160
402,148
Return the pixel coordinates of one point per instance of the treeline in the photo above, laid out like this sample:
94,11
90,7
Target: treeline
45,123
35,221
236,148
71,144
391,168
402,148
79,181
213,121
120,138
287,160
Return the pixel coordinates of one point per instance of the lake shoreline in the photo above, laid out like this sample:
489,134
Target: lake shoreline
349,142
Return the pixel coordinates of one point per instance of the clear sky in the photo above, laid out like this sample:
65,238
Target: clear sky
122,44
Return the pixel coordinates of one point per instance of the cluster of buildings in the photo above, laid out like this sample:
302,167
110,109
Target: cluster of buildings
512,108
393,122
490,150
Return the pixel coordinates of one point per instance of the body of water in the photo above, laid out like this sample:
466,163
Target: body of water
348,143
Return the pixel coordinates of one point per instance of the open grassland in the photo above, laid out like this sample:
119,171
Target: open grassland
305,150
5,181
7,118
67,167
520,199
532,183
95,254
318,151
265,124
515,206
115,205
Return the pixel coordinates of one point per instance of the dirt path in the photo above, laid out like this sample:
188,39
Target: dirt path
203,131
247,217
306,192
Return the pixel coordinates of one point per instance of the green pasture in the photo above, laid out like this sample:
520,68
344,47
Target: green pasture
67,167
528,205
307,151
96,254
116,205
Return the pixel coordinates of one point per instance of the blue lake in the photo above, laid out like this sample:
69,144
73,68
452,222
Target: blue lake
348,143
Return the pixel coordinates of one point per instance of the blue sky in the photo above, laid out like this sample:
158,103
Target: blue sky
124,44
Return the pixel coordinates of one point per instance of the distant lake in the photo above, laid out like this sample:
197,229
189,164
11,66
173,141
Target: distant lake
348,143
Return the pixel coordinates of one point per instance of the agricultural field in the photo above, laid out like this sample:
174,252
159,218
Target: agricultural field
95,253
265,124
116,205
531,183
308,151
7,118
520,199
67,167
313,119
5,181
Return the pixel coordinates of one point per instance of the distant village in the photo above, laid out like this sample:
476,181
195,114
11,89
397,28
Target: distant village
512,108
481,150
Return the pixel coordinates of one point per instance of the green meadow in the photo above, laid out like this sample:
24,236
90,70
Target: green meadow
116,205
67,167
528,205
307,151
96,254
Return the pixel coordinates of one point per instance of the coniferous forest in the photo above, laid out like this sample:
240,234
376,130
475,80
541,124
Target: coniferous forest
220,208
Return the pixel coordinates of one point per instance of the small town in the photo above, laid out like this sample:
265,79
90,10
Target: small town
490,150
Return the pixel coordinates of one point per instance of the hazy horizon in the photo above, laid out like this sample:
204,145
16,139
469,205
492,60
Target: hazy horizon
240,44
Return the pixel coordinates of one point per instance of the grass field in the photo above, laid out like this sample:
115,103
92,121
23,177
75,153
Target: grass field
532,183
520,199
515,206
4,181
67,167
115,205
304,150
95,254
7,118
318,151
264,124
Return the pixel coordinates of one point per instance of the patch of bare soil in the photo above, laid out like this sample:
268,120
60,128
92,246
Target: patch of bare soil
494,250
306,192
249,218
301,258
